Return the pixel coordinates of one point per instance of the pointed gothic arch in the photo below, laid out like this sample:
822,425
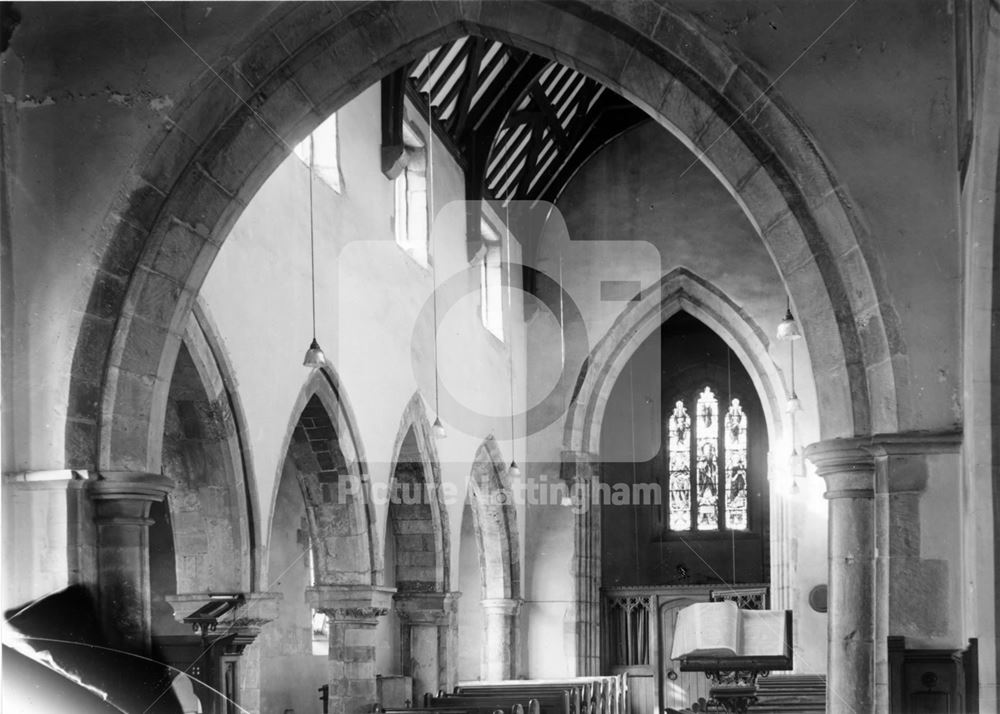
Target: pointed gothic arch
166,233
495,523
417,518
678,290
322,442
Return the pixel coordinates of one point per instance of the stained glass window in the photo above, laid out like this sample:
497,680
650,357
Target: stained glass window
736,467
680,468
707,464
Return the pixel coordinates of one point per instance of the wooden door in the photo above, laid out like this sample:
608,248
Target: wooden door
678,690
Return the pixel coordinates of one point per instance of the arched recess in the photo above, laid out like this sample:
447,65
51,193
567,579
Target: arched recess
489,625
307,60
421,627
323,446
495,522
209,512
678,290
417,518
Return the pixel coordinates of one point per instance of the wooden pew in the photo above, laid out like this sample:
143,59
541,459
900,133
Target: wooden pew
544,702
588,695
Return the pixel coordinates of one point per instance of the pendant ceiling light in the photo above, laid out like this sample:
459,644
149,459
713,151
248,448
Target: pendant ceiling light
793,404
438,428
788,329
314,355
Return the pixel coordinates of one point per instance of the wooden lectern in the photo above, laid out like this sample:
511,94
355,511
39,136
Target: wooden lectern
733,648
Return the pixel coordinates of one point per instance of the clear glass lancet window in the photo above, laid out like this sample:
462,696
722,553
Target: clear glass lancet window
326,161
410,217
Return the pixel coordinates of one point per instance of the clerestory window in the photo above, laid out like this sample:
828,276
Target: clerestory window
326,153
707,463
491,281
410,219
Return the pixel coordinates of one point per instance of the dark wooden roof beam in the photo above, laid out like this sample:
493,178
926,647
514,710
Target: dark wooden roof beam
393,150
469,85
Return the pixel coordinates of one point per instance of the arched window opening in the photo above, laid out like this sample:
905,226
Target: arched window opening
326,153
707,469
411,217
320,620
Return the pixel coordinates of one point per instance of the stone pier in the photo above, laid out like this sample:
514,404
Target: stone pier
353,611
428,632
122,500
849,471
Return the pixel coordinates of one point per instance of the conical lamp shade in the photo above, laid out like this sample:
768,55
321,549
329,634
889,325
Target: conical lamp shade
793,404
438,429
788,329
514,470
314,356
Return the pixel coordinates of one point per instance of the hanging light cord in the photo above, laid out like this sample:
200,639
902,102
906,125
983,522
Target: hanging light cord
430,214
510,327
312,238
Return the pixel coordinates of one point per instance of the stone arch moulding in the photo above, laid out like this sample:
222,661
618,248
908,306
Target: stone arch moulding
678,290
339,528
306,60
202,341
415,422
495,521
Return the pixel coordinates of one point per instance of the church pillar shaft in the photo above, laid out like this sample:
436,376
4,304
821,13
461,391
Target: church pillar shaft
582,477
353,611
500,643
428,624
122,501
849,473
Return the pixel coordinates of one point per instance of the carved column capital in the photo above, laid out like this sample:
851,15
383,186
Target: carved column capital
427,608
360,604
846,465
125,496
501,605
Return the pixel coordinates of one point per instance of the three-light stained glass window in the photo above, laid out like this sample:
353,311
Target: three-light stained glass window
707,464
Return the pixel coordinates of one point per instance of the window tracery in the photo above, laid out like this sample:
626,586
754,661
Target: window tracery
707,465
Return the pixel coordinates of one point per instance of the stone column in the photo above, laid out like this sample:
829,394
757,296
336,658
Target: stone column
427,635
849,472
579,471
353,611
122,500
500,638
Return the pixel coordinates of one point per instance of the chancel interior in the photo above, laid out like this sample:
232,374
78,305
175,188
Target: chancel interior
611,308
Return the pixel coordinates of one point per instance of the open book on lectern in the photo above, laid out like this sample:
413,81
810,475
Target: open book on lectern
719,635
